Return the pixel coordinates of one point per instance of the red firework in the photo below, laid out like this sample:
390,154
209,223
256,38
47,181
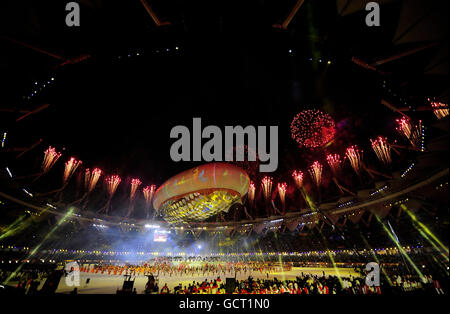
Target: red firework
382,149
354,156
87,178
414,133
335,163
404,127
95,175
148,192
267,187
315,171
251,193
298,178
135,183
70,167
312,128
50,158
440,109
112,182
282,192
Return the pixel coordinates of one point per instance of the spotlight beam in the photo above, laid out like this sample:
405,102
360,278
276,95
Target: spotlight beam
36,248
400,248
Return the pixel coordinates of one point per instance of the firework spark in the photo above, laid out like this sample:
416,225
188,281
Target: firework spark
267,187
312,128
87,178
135,183
282,192
417,139
382,149
50,158
251,193
335,163
112,182
93,179
148,192
354,156
298,178
440,109
70,167
315,171
404,127
414,133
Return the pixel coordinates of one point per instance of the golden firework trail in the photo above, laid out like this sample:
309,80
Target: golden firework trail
315,171
267,187
354,156
70,167
298,178
50,158
382,149
282,193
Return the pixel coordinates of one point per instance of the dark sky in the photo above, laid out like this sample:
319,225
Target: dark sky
232,68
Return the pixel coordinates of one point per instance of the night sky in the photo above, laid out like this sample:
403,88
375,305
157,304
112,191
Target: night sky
115,110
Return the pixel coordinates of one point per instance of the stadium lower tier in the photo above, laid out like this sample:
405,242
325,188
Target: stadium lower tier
203,275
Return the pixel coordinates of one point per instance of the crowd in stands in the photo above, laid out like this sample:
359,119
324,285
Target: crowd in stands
26,281
396,276
314,285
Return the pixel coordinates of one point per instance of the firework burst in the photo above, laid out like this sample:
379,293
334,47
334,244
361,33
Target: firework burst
91,178
417,138
251,193
70,167
87,178
50,158
354,156
335,163
267,187
135,183
382,149
404,127
315,171
282,192
94,176
297,175
112,182
440,109
312,128
148,193
414,133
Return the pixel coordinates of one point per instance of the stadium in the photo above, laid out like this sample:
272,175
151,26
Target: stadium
91,201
